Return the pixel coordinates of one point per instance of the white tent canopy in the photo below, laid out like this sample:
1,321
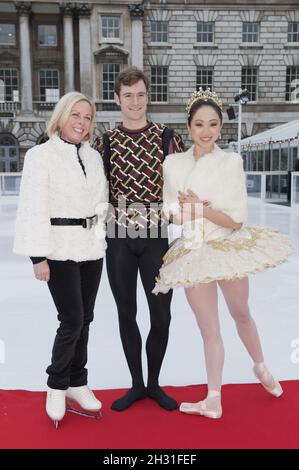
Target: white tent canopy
285,132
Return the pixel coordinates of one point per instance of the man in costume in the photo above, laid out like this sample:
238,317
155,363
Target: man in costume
133,154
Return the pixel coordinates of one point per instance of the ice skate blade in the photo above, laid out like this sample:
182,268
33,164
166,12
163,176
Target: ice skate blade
88,414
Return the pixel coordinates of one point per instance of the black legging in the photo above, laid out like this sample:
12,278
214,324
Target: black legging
124,257
73,287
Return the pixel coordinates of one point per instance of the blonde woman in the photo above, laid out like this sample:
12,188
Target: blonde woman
60,225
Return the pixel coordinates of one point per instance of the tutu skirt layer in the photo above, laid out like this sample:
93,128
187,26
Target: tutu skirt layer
246,251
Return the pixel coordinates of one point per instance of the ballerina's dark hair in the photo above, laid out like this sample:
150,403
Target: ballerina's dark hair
198,104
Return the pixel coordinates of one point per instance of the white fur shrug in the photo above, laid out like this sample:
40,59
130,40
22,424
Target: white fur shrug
54,185
217,177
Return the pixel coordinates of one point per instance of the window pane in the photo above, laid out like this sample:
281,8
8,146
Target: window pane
12,152
159,84
250,32
6,141
47,35
205,31
292,83
109,73
293,32
8,154
110,27
159,31
9,87
250,81
49,85
204,78
7,33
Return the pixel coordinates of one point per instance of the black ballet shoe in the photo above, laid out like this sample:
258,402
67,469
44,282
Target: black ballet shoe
165,401
132,395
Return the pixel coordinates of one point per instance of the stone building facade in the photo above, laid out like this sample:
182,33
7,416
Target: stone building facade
48,48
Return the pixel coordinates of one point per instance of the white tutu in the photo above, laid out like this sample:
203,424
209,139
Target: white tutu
243,252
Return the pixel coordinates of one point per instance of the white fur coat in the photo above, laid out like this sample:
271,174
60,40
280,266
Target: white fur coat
54,185
217,177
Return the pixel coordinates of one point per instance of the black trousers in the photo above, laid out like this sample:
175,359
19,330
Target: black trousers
125,257
73,287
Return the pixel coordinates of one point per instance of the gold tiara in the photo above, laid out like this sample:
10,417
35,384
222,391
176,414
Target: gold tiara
203,95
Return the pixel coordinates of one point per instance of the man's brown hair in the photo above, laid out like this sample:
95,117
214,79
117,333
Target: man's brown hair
129,77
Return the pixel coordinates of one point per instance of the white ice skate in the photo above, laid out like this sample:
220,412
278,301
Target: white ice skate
84,397
55,405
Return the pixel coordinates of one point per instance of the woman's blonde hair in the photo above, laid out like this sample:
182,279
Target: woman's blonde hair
62,113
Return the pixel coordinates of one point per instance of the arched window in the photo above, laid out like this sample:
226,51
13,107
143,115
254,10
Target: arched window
42,139
9,154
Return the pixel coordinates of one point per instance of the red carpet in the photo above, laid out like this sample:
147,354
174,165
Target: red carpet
252,419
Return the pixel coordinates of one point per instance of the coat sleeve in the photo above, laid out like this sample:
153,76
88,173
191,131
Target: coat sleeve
235,193
170,192
33,228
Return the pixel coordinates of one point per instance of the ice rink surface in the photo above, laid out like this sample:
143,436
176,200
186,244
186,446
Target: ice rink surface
28,320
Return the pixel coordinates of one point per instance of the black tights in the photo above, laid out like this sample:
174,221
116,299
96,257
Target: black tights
124,257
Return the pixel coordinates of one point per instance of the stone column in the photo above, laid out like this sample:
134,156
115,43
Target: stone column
84,11
24,9
68,43
137,13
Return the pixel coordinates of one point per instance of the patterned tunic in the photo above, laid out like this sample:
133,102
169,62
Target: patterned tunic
135,173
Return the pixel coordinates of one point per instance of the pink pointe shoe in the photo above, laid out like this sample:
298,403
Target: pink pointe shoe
210,407
268,382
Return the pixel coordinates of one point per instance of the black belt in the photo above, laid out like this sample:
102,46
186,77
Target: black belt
88,222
